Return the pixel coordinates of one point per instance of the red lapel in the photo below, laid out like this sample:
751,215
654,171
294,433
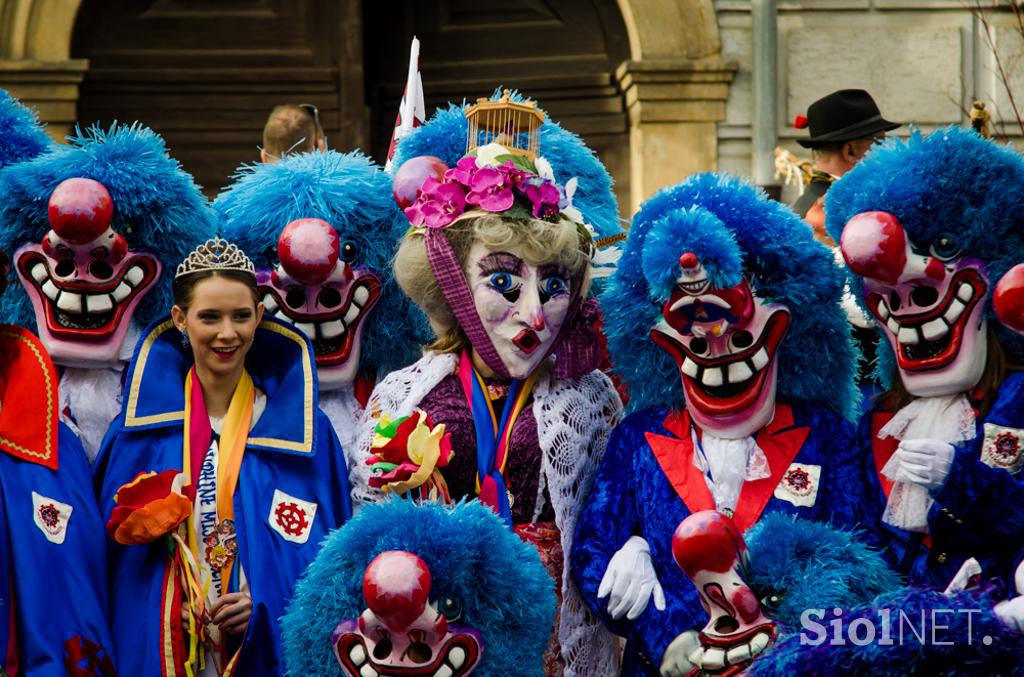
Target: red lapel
780,442
675,456
29,405
882,449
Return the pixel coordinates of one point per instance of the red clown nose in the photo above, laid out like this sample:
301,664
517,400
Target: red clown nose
875,246
396,586
1008,298
411,175
688,260
80,210
707,541
308,250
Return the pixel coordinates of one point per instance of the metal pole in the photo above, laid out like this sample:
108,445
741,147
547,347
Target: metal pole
764,127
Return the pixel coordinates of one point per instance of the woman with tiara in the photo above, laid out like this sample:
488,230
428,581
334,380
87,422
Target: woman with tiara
218,480
506,405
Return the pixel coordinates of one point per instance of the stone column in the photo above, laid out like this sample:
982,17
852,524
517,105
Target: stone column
51,87
674,107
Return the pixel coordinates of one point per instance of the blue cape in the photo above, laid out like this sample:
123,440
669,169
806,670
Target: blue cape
292,448
59,580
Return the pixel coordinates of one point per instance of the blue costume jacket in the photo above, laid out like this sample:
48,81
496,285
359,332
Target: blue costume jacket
647,484
52,563
292,453
979,512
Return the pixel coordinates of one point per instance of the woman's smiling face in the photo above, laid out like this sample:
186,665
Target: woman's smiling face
522,306
221,321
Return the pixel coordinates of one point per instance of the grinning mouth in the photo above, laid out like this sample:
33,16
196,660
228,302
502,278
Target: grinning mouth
527,340
457,657
728,384
77,309
931,339
693,286
225,353
333,334
723,656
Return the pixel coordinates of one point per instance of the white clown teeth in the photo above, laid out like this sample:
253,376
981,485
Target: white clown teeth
78,302
932,330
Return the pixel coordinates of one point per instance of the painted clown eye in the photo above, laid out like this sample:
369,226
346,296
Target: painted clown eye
554,286
772,601
451,607
501,281
348,251
945,247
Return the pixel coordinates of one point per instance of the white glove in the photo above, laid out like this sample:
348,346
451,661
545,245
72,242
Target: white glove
1011,613
676,661
629,581
925,462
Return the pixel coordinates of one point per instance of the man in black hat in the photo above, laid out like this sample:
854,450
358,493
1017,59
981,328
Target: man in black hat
843,126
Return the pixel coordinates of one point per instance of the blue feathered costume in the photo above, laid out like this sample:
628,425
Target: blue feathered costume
482,578
952,204
351,195
53,578
648,481
88,286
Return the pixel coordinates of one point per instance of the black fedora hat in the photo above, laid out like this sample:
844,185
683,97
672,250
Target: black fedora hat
841,116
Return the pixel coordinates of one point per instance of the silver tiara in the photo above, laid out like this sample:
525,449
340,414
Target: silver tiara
215,254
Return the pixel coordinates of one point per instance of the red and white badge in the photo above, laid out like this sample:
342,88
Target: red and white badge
291,518
1003,448
51,517
799,484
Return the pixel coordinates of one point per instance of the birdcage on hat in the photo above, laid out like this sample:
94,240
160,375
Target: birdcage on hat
512,124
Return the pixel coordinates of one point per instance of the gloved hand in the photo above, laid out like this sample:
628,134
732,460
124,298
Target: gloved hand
1011,613
676,661
926,462
629,581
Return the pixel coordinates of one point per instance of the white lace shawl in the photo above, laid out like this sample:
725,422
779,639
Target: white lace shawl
574,419
345,414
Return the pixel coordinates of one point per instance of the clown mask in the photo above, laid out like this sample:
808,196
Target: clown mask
318,287
403,631
708,546
928,300
522,306
83,280
724,342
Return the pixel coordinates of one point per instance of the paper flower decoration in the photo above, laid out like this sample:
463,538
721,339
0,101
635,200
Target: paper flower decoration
406,454
150,506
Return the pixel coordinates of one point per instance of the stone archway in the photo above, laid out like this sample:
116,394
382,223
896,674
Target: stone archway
35,58
674,84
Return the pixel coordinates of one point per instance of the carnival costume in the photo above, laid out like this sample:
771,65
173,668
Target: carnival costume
928,226
728,291
793,597
322,229
260,496
526,443
96,224
53,575
480,602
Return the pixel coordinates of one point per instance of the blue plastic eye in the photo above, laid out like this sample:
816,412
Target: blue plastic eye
348,251
945,247
501,281
554,285
451,607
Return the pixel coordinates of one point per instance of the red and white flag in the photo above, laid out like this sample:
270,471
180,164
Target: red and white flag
412,112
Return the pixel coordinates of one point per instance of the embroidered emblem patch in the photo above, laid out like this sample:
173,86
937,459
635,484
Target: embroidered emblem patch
1003,448
51,517
291,518
85,658
799,484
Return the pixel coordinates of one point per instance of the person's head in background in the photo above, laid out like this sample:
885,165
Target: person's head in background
292,128
843,126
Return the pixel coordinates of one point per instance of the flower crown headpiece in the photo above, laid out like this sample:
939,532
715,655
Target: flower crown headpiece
216,254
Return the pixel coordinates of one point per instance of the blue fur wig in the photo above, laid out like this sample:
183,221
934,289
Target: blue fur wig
951,181
21,136
805,565
444,137
157,206
352,194
736,231
505,591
